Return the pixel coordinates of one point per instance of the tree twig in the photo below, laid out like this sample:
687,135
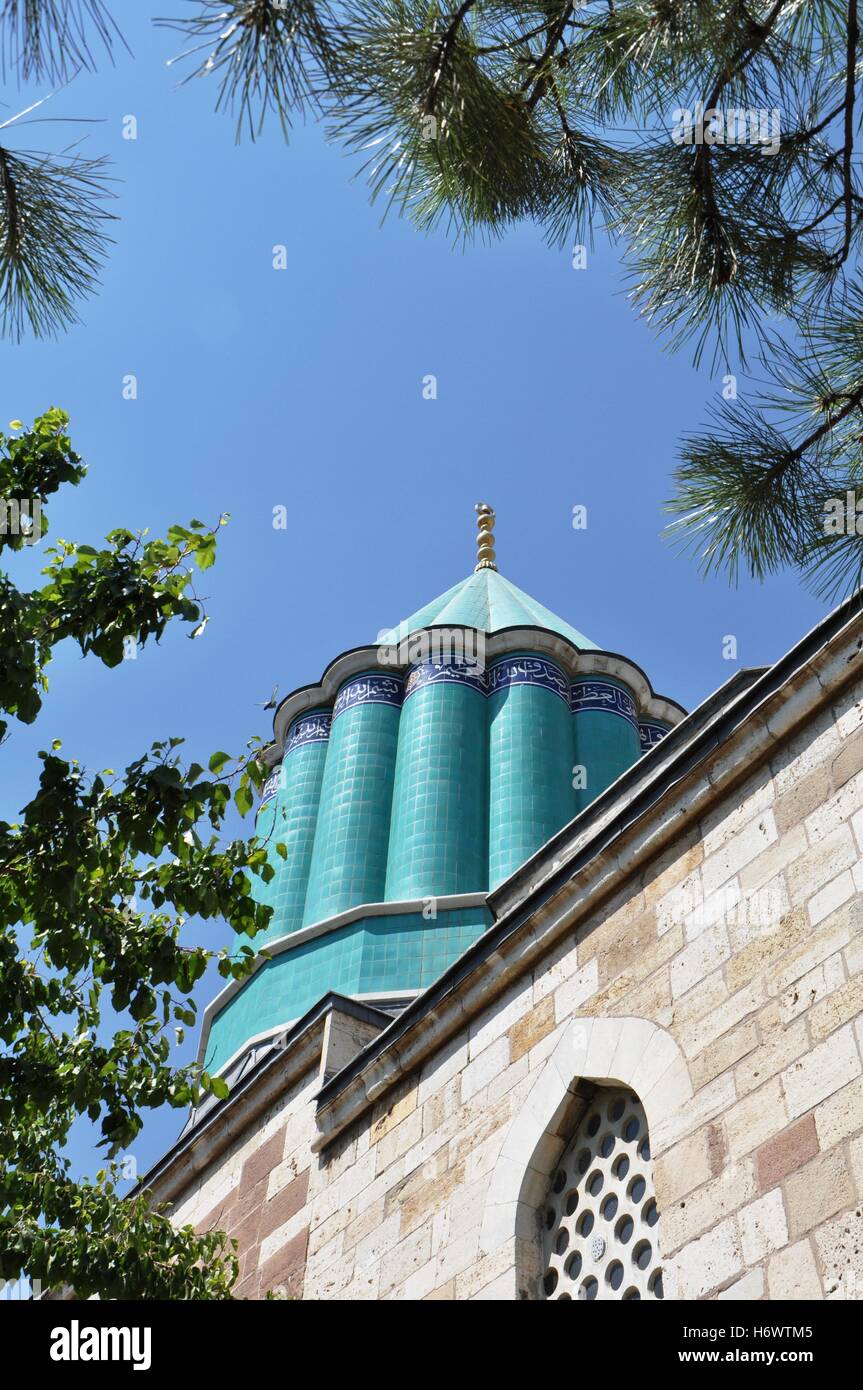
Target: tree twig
848,149
11,241
555,34
446,45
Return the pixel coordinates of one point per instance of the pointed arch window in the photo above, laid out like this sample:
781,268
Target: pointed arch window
600,1219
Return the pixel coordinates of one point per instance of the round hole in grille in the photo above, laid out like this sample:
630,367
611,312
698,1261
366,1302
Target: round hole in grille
609,1207
637,1188
585,1224
623,1230
595,1182
642,1254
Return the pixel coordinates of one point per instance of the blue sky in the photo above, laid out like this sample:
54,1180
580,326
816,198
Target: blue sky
303,388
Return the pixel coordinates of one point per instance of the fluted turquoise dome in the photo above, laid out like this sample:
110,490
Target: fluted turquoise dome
414,777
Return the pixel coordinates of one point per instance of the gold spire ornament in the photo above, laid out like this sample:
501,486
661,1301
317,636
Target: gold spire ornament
485,557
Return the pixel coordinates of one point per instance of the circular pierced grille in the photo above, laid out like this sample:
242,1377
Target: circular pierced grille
600,1219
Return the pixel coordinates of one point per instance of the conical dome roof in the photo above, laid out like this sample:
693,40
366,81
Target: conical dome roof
488,602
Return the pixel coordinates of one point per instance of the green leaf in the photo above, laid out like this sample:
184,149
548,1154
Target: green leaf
205,553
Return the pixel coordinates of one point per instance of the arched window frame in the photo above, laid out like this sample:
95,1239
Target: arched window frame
629,1052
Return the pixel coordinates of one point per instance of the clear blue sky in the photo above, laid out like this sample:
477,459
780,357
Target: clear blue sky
303,387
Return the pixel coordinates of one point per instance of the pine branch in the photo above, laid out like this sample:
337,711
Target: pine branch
269,57
47,40
725,265
849,403
733,70
556,31
751,494
445,49
53,238
848,148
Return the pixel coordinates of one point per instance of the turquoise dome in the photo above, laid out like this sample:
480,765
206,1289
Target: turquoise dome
412,780
488,602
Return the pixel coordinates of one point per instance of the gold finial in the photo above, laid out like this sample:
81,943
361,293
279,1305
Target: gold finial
485,537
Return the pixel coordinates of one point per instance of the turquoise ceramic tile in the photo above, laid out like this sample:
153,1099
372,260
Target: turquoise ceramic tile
439,831
606,743
531,793
349,858
374,955
290,818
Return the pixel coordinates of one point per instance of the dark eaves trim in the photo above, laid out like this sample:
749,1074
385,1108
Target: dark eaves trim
690,743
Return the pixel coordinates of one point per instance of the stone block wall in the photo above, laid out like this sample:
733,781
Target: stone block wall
740,949
257,1191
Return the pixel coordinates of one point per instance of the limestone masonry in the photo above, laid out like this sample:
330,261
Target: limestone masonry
556,1006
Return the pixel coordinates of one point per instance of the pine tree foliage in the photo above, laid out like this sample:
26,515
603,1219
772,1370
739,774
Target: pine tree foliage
49,40
267,56
740,228
53,206
480,114
53,238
